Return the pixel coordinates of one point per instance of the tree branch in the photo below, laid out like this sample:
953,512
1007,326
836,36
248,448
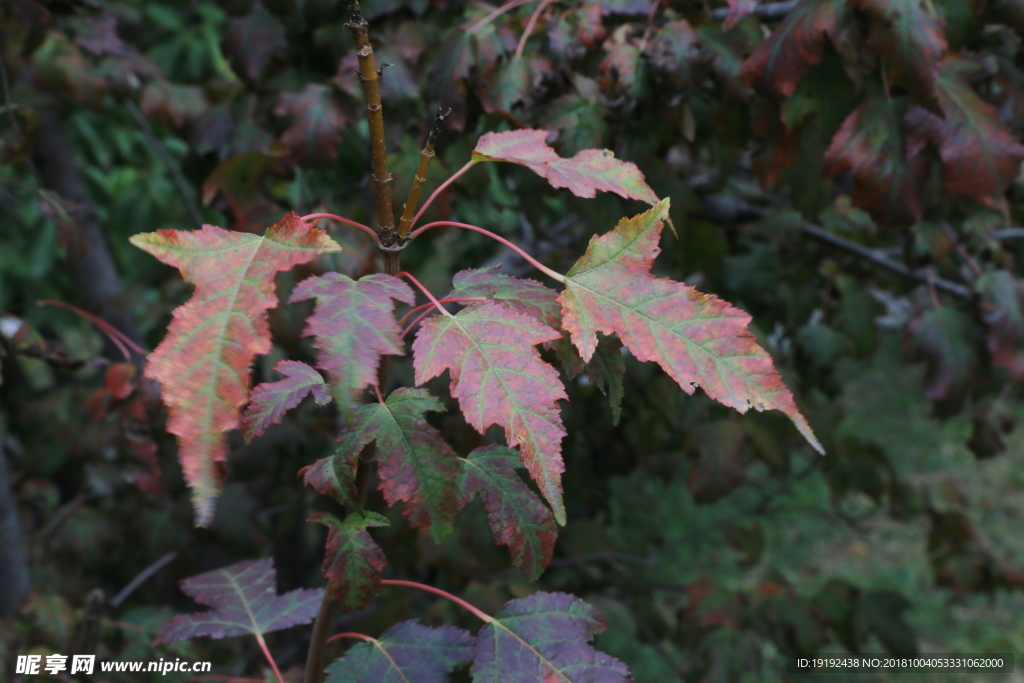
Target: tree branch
369,78
409,212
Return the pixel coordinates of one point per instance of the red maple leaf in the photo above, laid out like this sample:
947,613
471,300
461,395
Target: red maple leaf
499,378
793,48
698,339
203,362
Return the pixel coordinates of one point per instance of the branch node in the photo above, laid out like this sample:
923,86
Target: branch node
380,69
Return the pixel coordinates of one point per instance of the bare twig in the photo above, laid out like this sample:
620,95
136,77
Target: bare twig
143,576
877,258
409,212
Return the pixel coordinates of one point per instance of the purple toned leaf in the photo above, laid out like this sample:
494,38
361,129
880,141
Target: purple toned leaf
415,464
353,562
737,10
499,378
203,362
316,122
270,401
408,652
245,600
584,175
354,325
544,639
252,42
516,517
698,339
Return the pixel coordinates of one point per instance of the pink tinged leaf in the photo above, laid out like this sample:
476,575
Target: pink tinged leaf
499,378
407,652
415,464
270,401
244,600
529,297
353,563
698,339
253,42
584,174
516,516
354,325
544,638
203,363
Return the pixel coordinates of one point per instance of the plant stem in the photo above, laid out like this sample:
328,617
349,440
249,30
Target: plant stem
508,6
439,190
486,618
530,26
433,300
346,221
270,658
369,78
449,300
405,222
466,226
360,636
116,336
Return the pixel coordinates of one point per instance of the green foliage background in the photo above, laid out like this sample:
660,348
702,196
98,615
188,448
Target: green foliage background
713,543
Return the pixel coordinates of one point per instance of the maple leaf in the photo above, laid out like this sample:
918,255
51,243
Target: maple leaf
886,179
499,378
698,339
945,336
270,401
516,517
316,123
245,600
252,42
793,48
335,477
406,652
980,157
172,104
584,174
354,325
353,562
911,41
1002,306
544,638
415,464
529,297
203,362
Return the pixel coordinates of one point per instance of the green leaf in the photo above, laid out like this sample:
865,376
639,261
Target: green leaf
353,562
415,464
516,517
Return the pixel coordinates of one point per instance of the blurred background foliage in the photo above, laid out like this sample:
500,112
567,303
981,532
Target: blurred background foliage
846,172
